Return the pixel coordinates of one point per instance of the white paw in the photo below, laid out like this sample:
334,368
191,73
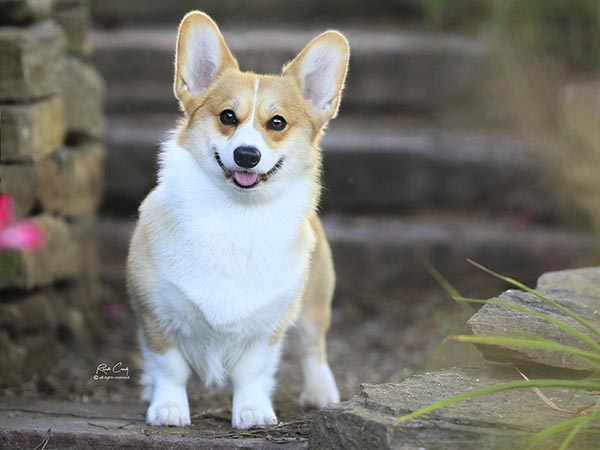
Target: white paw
320,389
168,413
253,416
319,396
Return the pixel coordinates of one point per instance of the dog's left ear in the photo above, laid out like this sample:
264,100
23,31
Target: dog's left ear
202,55
320,70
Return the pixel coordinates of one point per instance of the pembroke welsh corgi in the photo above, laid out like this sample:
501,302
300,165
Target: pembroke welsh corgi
228,252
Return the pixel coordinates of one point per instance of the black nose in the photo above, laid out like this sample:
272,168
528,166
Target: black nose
246,157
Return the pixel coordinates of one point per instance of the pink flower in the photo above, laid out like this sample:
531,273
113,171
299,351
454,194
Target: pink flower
24,235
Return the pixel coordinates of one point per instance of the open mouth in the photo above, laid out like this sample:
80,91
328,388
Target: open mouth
247,179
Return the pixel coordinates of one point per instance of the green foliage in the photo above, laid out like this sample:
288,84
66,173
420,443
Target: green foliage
566,30
569,428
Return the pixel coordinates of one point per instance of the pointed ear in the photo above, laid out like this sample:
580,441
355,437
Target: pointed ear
201,56
320,70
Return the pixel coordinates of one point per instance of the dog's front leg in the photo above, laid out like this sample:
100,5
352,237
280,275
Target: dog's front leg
253,379
166,376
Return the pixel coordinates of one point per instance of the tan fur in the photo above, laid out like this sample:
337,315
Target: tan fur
142,279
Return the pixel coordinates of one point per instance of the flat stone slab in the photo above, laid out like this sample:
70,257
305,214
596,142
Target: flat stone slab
76,23
108,427
68,183
32,131
577,290
31,61
83,91
59,259
497,422
24,11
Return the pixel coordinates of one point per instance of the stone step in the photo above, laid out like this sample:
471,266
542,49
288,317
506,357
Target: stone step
114,12
68,425
389,68
392,163
379,256
493,422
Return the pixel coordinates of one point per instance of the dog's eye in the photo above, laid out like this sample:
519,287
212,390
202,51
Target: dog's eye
227,117
276,123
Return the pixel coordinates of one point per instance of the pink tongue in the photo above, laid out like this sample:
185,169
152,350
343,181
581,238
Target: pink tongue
244,178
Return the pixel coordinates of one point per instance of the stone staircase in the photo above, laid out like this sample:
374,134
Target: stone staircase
412,165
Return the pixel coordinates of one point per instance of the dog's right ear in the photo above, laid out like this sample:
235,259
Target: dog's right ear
201,56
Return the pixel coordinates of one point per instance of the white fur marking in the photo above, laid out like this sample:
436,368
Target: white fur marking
254,100
320,389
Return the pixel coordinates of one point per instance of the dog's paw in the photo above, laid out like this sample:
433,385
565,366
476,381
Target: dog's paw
169,414
320,389
319,396
249,416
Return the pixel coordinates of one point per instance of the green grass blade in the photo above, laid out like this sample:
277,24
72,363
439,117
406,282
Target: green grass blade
542,297
540,344
445,284
520,384
574,432
555,429
560,324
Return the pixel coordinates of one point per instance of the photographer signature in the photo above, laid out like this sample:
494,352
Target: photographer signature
117,371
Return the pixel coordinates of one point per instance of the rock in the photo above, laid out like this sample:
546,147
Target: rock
499,421
35,312
76,23
67,311
577,290
24,11
584,281
70,182
32,131
101,426
31,61
20,183
83,91
57,260
27,355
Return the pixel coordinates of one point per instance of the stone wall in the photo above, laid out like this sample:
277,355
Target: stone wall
51,164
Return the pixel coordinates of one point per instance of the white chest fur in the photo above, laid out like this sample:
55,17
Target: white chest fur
241,265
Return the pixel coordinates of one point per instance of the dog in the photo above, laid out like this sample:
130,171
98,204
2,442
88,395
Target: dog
228,251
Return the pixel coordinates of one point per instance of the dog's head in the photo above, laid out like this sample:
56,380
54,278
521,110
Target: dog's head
249,132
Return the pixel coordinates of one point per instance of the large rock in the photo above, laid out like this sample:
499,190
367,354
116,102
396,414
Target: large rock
31,61
20,183
32,131
70,182
584,281
57,260
24,11
579,291
26,355
35,312
76,22
497,422
83,91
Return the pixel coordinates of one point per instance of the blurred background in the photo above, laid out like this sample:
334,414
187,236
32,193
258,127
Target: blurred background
468,129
